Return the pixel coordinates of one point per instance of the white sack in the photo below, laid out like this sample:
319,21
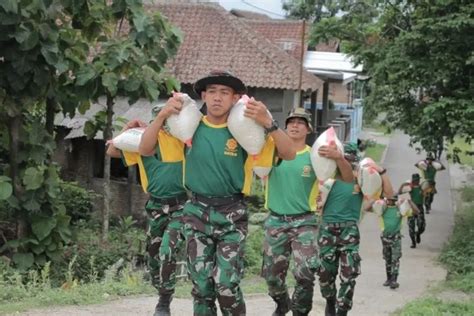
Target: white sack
129,140
184,124
379,206
422,165
323,167
248,133
369,179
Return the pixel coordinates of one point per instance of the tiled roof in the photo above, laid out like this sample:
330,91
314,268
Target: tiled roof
216,39
331,46
249,14
286,34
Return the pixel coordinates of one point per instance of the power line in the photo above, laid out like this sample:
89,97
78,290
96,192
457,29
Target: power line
261,9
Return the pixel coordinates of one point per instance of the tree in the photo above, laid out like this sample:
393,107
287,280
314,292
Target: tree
311,10
419,56
128,60
39,51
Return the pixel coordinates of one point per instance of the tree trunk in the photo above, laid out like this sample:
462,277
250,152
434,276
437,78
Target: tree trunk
132,175
14,135
107,194
50,111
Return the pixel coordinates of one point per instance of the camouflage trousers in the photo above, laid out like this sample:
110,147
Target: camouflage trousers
215,241
392,252
416,224
287,236
165,238
339,246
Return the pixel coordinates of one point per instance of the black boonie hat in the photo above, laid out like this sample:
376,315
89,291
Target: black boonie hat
415,177
220,77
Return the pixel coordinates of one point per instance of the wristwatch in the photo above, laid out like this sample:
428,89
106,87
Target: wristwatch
272,128
383,171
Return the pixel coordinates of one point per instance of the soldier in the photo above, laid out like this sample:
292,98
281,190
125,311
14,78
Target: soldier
165,238
416,221
338,238
291,227
391,220
217,172
429,175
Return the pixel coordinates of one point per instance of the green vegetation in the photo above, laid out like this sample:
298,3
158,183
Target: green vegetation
458,258
375,152
464,149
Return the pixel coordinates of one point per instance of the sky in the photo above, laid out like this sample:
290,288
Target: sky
260,6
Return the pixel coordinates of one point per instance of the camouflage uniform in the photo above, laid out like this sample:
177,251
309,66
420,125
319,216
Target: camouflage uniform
215,238
339,242
285,236
165,238
392,252
416,221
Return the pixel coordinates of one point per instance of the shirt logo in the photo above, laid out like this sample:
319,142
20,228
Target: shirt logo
231,147
306,171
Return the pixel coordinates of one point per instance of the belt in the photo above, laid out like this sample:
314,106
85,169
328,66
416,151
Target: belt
290,216
179,199
340,224
218,200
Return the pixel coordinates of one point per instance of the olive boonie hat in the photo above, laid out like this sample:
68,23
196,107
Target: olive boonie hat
415,177
220,77
301,113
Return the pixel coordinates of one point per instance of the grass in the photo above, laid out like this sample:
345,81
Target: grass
376,126
375,152
458,258
463,146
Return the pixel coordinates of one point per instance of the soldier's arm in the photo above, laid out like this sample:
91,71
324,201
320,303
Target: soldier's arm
150,136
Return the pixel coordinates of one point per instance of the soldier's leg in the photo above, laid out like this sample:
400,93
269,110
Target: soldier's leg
276,256
412,230
350,267
328,262
421,221
305,254
396,253
387,256
171,245
200,261
157,224
229,258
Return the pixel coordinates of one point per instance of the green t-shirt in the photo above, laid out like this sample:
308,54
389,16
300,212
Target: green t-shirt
214,165
391,220
292,186
343,203
430,173
416,195
160,179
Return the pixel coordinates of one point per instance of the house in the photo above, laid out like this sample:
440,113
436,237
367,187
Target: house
213,39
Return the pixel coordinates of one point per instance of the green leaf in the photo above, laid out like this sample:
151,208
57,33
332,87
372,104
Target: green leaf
110,81
42,227
84,106
23,261
10,5
84,75
6,190
33,178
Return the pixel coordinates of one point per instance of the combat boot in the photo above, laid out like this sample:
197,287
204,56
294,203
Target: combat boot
163,306
330,309
393,282
283,305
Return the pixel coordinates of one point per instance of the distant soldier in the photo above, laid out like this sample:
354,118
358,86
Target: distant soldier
339,237
291,227
416,221
165,236
428,169
391,219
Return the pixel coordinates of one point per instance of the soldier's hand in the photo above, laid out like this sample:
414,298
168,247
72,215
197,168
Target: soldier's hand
257,111
330,151
173,106
134,123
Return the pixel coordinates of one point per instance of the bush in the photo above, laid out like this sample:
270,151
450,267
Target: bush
253,250
77,200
